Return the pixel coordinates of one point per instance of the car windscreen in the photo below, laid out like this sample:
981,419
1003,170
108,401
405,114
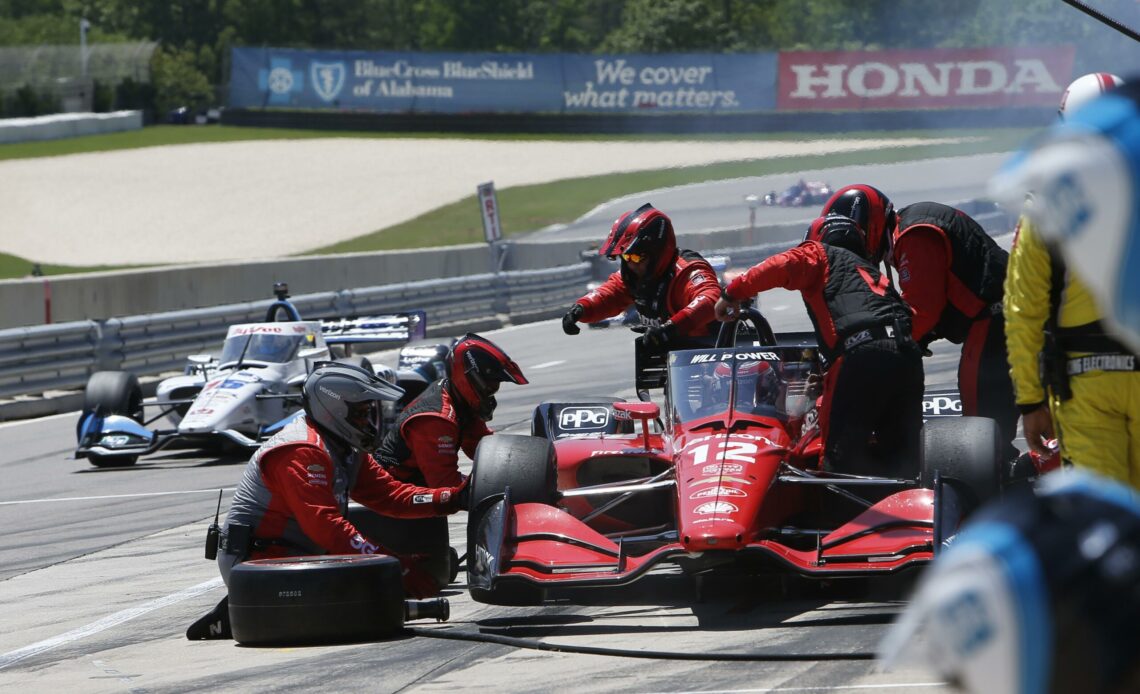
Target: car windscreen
261,347
777,382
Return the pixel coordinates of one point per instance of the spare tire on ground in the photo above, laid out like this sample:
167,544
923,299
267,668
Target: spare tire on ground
316,599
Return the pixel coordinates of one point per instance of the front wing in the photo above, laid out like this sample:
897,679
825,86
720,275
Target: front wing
542,545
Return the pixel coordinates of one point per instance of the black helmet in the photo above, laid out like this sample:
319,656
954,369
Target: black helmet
1040,592
476,367
344,402
871,210
837,230
645,232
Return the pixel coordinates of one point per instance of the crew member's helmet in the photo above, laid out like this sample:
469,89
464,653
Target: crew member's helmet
871,210
644,233
838,230
1039,593
345,402
476,367
1084,89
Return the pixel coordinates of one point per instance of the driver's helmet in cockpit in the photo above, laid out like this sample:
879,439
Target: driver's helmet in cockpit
759,388
274,348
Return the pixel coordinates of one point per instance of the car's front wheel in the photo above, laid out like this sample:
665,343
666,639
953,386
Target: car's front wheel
113,392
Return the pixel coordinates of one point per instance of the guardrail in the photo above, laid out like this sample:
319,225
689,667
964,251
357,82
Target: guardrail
60,357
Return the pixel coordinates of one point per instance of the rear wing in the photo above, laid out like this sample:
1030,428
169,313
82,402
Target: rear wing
395,327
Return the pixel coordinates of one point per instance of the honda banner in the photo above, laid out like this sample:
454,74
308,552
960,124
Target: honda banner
935,78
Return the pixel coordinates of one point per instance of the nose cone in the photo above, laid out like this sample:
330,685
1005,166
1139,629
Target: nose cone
220,408
720,534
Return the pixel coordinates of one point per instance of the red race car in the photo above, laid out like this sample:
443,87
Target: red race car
727,474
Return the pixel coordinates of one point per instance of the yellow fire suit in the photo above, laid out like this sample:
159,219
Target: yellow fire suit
1099,427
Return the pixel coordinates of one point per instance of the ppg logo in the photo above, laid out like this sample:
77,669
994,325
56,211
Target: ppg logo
941,406
584,417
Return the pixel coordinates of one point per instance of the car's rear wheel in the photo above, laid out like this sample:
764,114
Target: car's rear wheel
316,599
113,392
966,450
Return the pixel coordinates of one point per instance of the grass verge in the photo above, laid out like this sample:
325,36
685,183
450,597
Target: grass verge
524,208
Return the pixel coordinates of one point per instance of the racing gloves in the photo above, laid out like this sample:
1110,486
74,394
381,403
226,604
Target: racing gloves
657,336
448,500
570,320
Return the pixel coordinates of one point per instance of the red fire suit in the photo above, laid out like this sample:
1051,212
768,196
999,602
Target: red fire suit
874,379
686,296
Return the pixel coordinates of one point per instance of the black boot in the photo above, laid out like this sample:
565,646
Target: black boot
215,624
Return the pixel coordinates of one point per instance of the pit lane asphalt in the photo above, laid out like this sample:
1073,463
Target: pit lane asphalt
102,570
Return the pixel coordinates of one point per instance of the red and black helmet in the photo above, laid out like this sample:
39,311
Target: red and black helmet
646,231
476,367
838,230
871,210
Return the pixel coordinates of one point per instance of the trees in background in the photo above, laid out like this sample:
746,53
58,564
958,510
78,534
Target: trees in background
195,35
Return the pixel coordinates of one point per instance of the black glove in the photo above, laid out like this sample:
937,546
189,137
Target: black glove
657,336
570,320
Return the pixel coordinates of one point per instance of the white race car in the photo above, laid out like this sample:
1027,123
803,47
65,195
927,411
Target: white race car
249,391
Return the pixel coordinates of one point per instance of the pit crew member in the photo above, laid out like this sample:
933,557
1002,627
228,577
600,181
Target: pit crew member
450,415
673,290
950,272
1089,397
874,379
292,499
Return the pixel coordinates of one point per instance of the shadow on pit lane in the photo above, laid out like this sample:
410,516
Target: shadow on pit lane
181,458
719,603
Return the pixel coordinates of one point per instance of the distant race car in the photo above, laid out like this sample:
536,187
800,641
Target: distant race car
726,475
800,194
249,391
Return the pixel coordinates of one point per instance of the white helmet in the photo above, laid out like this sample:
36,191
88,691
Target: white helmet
1084,89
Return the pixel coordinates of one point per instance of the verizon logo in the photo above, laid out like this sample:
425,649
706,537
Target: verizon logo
944,78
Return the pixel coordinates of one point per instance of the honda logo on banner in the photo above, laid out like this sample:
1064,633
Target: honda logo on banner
937,78
489,206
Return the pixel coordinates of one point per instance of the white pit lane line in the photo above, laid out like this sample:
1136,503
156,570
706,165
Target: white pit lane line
545,365
107,622
115,496
822,688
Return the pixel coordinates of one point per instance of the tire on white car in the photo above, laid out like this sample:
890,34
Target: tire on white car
316,599
964,449
113,392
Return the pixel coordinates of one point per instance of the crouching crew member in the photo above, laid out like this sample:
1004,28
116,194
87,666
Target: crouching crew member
292,499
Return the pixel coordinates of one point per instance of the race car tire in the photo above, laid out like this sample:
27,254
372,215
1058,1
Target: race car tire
113,392
965,449
316,599
526,464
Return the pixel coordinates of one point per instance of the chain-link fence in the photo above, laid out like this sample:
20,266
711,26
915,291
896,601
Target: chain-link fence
47,79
